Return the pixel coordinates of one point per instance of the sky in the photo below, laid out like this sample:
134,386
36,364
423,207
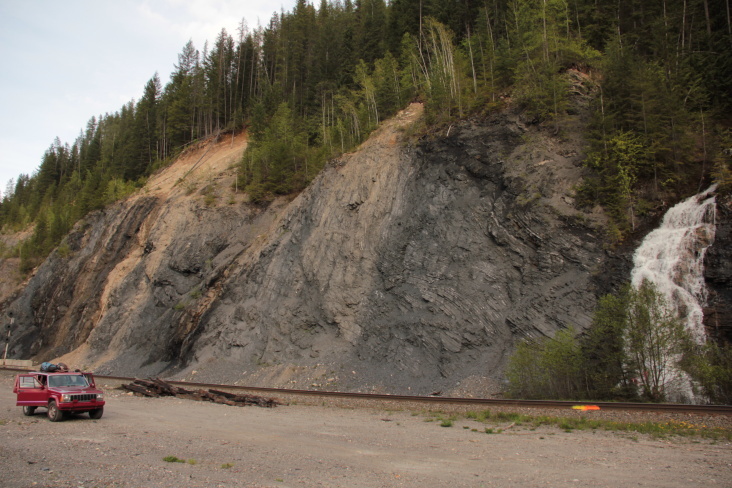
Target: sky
64,61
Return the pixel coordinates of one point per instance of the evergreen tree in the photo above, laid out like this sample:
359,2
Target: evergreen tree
178,102
217,68
91,147
146,129
370,29
408,17
604,352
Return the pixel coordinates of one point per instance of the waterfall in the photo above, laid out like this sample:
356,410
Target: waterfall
672,257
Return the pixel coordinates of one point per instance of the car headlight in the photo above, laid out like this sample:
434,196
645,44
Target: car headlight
100,396
65,398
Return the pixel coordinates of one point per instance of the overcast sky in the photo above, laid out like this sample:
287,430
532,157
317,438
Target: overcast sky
64,61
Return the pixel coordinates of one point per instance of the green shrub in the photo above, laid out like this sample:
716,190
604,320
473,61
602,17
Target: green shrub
546,367
710,365
632,332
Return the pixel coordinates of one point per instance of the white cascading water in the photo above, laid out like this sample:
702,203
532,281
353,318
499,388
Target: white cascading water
672,257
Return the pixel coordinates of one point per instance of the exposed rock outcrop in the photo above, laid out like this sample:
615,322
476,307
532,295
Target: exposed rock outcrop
718,275
405,266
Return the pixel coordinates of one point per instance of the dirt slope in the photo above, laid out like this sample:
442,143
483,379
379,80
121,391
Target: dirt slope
202,163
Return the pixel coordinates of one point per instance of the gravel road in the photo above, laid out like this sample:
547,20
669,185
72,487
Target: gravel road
327,446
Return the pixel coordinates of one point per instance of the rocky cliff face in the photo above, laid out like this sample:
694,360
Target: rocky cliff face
412,266
718,275
406,266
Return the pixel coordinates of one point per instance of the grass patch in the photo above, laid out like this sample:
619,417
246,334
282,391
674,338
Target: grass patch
63,250
571,424
227,466
173,459
479,416
209,199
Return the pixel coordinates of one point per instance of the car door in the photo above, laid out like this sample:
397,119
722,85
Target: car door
30,391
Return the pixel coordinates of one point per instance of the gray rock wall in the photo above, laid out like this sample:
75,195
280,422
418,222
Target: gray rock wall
414,266
718,275
405,266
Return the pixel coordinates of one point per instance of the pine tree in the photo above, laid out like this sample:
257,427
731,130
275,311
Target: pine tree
178,102
146,126
370,29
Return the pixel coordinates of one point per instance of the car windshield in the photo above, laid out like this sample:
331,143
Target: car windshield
67,380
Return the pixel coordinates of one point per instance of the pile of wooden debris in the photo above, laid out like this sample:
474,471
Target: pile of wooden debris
155,387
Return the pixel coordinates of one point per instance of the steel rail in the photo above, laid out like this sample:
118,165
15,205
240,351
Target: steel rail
651,407
486,402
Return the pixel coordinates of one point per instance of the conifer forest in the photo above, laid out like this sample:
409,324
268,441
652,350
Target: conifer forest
313,82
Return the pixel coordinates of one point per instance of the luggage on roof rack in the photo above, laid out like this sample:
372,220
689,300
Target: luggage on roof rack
52,368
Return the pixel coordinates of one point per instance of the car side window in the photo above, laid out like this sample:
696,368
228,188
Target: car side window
29,382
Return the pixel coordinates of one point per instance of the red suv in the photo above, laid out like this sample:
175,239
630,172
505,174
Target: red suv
59,392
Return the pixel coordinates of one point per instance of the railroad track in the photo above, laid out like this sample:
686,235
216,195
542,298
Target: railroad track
437,400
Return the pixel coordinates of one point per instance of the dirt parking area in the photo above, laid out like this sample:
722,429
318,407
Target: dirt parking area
324,446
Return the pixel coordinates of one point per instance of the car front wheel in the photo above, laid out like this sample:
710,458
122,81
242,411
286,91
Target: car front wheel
28,411
54,414
96,414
